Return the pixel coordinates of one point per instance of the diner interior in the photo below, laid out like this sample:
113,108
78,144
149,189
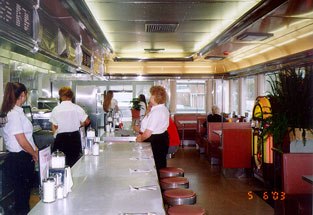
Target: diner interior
233,54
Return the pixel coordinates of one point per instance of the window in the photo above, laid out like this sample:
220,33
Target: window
267,86
123,94
190,96
235,96
250,94
143,89
222,95
126,91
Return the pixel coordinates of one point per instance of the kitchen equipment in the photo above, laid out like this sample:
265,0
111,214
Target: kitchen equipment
3,119
47,103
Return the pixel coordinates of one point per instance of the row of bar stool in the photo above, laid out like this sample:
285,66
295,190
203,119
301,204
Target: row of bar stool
176,195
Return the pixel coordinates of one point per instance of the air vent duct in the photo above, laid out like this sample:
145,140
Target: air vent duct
154,50
214,57
253,36
161,28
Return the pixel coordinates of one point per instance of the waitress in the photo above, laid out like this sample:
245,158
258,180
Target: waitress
17,134
154,126
109,102
66,118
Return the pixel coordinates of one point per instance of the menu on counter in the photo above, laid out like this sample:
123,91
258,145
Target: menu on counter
17,15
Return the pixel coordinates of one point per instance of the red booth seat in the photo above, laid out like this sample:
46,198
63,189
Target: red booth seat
213,141
236,150
295,165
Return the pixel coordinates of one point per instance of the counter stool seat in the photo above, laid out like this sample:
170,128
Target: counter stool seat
186,210
174,182
171,172
179,196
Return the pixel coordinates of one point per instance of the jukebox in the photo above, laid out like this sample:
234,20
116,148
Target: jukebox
262,154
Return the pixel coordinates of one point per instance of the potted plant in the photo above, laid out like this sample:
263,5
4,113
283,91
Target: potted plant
292,105
135,109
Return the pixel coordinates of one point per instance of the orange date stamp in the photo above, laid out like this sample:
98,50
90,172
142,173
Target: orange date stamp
275,195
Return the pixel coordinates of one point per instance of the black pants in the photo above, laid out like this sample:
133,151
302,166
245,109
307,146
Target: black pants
70,144
21,170
159,144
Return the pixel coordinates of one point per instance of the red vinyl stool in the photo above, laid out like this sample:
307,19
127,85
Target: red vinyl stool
179,196
171,172
186,210
174,182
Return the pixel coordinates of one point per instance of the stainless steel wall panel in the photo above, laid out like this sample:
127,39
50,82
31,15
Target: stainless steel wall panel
57,84
86,96
44,85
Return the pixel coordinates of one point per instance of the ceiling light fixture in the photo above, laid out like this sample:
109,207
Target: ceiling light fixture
214,58
285,42
305,35
154,50
254,36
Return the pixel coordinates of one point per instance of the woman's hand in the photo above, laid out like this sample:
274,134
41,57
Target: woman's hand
139,138
35,156
142,137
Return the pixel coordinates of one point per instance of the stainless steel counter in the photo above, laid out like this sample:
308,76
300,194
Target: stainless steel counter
119,135
101,183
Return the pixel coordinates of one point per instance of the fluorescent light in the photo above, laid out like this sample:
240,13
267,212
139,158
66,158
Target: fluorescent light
279,29
285,42
237,59
265,50
305,35
251,55
139,78
197,66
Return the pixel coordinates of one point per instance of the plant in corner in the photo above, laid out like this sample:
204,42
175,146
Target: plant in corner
292,104
135,109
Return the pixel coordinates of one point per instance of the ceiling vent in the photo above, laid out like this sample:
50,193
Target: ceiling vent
214,57
161,28
153,50
253,36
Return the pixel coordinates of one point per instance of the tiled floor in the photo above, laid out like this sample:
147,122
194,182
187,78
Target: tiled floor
215,193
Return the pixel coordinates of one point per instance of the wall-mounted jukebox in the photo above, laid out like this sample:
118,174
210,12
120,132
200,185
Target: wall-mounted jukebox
262,154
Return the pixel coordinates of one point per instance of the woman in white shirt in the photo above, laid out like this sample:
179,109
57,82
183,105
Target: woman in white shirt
154,126
143,105
109,102
66,118
17,134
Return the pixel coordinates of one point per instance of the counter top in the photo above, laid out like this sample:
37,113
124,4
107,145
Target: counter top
119,135
101,183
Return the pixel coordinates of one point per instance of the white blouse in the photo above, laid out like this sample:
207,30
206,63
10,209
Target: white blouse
113,104
68,116
17,123
157,120
142,110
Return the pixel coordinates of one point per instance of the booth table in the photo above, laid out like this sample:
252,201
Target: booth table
101,183
308,178
185,122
